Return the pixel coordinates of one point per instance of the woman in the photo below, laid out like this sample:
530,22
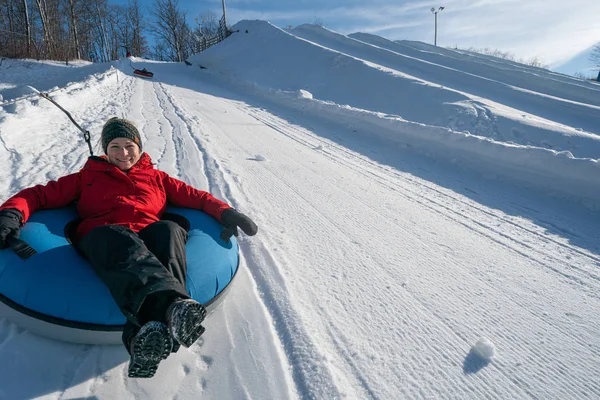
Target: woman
141,258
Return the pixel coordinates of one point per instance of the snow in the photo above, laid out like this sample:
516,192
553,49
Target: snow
429,218
579,64
485,349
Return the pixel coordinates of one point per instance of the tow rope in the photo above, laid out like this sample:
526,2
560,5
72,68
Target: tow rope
86,134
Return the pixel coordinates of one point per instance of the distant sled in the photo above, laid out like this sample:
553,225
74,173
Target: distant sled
144,73
56,294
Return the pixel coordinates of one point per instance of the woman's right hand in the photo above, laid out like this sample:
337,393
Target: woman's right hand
10,222
232,219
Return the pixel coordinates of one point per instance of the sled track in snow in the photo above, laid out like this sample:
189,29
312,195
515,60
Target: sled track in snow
217,184
150,115
285,129
266,283
308,382
381,176
438,201
185,157
8,331
386,177
72,368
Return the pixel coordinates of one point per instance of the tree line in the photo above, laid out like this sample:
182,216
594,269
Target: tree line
98,31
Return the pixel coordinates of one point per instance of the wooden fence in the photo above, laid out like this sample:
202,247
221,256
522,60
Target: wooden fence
221,35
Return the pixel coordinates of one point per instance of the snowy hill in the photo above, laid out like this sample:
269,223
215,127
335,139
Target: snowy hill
429,218
580,63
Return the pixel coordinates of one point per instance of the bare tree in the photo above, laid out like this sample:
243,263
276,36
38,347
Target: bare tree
537,62
121,32
73,20
88,30
595,55
171,29
534,61
27,26
100,14
9,23
160,52
14,26
15,33
208,24
18,29
64,29
139,44
584,76
46,27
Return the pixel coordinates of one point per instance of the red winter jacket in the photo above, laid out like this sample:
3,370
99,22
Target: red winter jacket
108,196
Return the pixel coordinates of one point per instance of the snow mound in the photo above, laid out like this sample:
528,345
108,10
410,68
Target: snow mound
304,94
485,349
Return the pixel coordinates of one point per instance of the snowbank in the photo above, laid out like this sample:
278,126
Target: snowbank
43,75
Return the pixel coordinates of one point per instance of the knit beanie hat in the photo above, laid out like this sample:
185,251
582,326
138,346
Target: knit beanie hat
119,127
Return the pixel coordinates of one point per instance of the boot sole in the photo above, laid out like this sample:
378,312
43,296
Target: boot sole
190,329
152,345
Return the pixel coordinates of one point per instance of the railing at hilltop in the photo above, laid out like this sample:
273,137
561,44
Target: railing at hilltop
222,33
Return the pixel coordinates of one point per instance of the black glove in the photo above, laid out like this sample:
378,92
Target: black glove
10,222
232,219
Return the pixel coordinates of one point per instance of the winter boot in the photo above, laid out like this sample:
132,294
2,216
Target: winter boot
184,317
148,348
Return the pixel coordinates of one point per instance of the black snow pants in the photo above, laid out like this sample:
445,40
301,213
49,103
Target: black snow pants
144,271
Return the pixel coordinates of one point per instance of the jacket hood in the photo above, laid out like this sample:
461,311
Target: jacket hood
102,163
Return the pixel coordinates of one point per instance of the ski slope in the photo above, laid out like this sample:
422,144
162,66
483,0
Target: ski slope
411,201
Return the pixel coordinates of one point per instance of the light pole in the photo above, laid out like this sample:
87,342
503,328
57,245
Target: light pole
435,12
223,31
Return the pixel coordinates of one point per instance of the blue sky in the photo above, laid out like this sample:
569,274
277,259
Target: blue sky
554,30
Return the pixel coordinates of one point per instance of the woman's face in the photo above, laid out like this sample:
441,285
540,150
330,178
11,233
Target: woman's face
123,152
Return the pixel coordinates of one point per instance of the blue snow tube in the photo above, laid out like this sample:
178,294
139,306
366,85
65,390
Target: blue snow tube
56,293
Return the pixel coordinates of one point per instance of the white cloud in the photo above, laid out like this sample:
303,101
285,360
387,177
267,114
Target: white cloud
553,30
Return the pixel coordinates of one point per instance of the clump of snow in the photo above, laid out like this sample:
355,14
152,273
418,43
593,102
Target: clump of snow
485,349
258,157
304,94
